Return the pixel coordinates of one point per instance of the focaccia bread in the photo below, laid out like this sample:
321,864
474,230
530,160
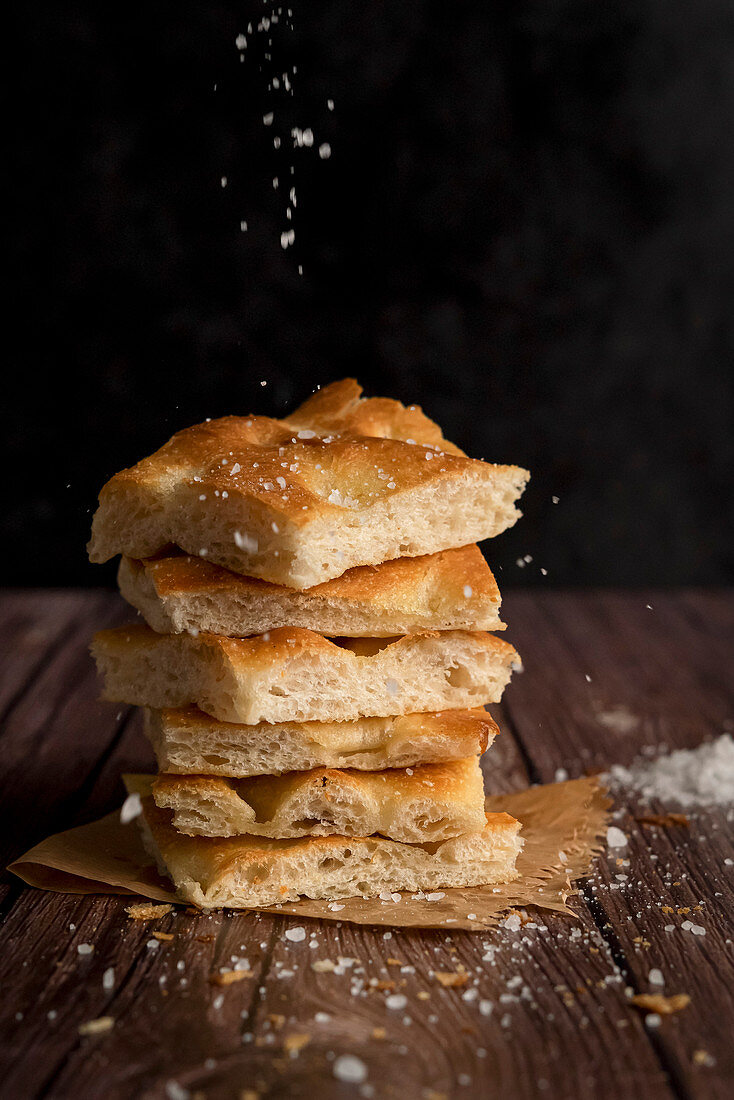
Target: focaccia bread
190,742
246,871
451,590
301,505
300,676
428,803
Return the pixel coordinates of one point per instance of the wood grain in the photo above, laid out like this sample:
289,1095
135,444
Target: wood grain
542,1011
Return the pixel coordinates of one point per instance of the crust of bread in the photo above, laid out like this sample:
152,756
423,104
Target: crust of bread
428,803
298,506
450,590
189,742
300,676
340,407
246,871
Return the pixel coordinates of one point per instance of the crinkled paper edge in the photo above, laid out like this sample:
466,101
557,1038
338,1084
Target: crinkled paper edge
562,824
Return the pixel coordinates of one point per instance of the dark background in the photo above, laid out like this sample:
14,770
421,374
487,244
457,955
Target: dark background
526,225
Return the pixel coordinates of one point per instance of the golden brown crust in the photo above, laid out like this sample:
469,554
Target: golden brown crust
265,498
428,802
449,590
244,871
341,407
187,741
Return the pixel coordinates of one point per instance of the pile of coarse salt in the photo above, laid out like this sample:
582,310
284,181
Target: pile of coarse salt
688,777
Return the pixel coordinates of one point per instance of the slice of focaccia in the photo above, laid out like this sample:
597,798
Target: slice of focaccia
428,803
298,504
300,676
450,590
246,871
190,742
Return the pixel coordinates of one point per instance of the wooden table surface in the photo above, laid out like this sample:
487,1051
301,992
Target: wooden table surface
546,1012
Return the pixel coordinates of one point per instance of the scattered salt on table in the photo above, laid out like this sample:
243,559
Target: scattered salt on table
688,777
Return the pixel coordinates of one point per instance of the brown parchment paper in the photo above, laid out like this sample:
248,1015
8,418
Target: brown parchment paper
562,823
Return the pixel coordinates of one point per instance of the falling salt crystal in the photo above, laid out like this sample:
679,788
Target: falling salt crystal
616,838
396,1001
322,1017
330,104
485,1008
653,1019
85,948
108,978
561,775
268,119
153,945
241,41
655,977
223,181
698,930
324,150
349,1068
467,591
243,227
295,934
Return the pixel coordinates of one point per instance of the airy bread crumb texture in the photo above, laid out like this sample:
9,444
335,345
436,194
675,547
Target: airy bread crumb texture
297,675
430,802
245,871
450,590
187,741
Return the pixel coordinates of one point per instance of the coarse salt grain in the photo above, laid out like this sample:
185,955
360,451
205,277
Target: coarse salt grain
131,808
295,934
350,1069
616,838
85,949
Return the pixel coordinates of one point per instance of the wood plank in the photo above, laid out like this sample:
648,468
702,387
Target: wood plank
55,733
433,1044
571,1032
666,674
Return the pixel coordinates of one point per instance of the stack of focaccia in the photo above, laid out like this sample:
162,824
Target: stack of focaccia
316,660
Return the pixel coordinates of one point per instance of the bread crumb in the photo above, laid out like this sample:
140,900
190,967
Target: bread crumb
296,1042
163,936
658,1003
448,978
146,910
98,1026
228,977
